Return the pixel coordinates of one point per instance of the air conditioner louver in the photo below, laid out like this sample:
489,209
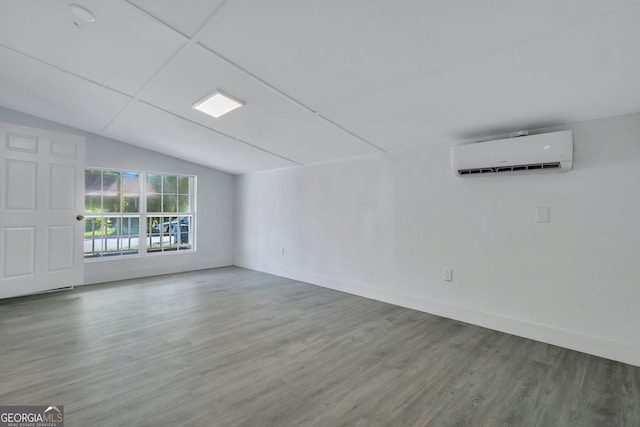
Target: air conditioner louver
510,168
528,154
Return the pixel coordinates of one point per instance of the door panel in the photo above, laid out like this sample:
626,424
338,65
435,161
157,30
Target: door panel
61,244
62,184
19,251
64,149
42,184
21,185
22,143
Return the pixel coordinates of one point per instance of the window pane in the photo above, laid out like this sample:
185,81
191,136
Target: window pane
111,204
92,181
130,236
111,240
111,191
112,247
154,203
168,223
93,232
124,244
154,228
131,183
92,227
131,226
92,247
184,186
154,184
131,204
131,192
113,225
92,204
185,232
153,224
129,245
111,183
184,203
168,231
169,203
92,190
170,184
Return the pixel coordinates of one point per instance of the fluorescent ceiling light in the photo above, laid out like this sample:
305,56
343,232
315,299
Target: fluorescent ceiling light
217,104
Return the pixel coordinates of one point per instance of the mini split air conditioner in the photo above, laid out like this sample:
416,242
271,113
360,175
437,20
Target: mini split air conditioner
547,152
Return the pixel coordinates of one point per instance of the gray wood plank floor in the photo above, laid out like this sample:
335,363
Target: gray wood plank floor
233,347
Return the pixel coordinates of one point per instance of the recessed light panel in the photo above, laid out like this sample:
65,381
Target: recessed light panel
217,104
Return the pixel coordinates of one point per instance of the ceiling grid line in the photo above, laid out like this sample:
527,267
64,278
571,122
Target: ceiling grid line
195,40
350,133
188,42
222,133
290,98
137,94
86,79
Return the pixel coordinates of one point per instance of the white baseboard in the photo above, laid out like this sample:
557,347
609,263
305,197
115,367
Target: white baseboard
595,345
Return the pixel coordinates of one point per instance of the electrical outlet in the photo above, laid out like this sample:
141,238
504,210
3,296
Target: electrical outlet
448,275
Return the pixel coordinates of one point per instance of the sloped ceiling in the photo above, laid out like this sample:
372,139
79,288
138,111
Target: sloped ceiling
321,80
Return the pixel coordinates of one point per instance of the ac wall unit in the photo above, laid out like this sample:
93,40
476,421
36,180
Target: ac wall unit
547,152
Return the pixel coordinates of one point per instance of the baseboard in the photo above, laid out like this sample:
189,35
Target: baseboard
594,345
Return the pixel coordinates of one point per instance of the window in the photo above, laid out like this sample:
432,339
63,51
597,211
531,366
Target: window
118,202
112,206
169,212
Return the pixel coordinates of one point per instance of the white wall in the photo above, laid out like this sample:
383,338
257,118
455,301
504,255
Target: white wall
385,227
214,215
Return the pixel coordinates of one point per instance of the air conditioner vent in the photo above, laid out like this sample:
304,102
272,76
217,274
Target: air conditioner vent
510,168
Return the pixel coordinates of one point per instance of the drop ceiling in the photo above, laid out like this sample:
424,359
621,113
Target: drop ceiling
321,80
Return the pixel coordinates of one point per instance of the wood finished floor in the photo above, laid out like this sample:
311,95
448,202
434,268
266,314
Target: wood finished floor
233,347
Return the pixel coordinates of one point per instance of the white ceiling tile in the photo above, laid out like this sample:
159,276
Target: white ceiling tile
33,87
324,53
156,130
122,49
186,16
582,73
268,119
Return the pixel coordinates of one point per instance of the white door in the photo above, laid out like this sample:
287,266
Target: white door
42,194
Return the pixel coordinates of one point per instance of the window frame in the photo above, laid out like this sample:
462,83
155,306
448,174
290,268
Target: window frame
164,215
142,215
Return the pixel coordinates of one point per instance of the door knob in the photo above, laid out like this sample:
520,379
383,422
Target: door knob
80,217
